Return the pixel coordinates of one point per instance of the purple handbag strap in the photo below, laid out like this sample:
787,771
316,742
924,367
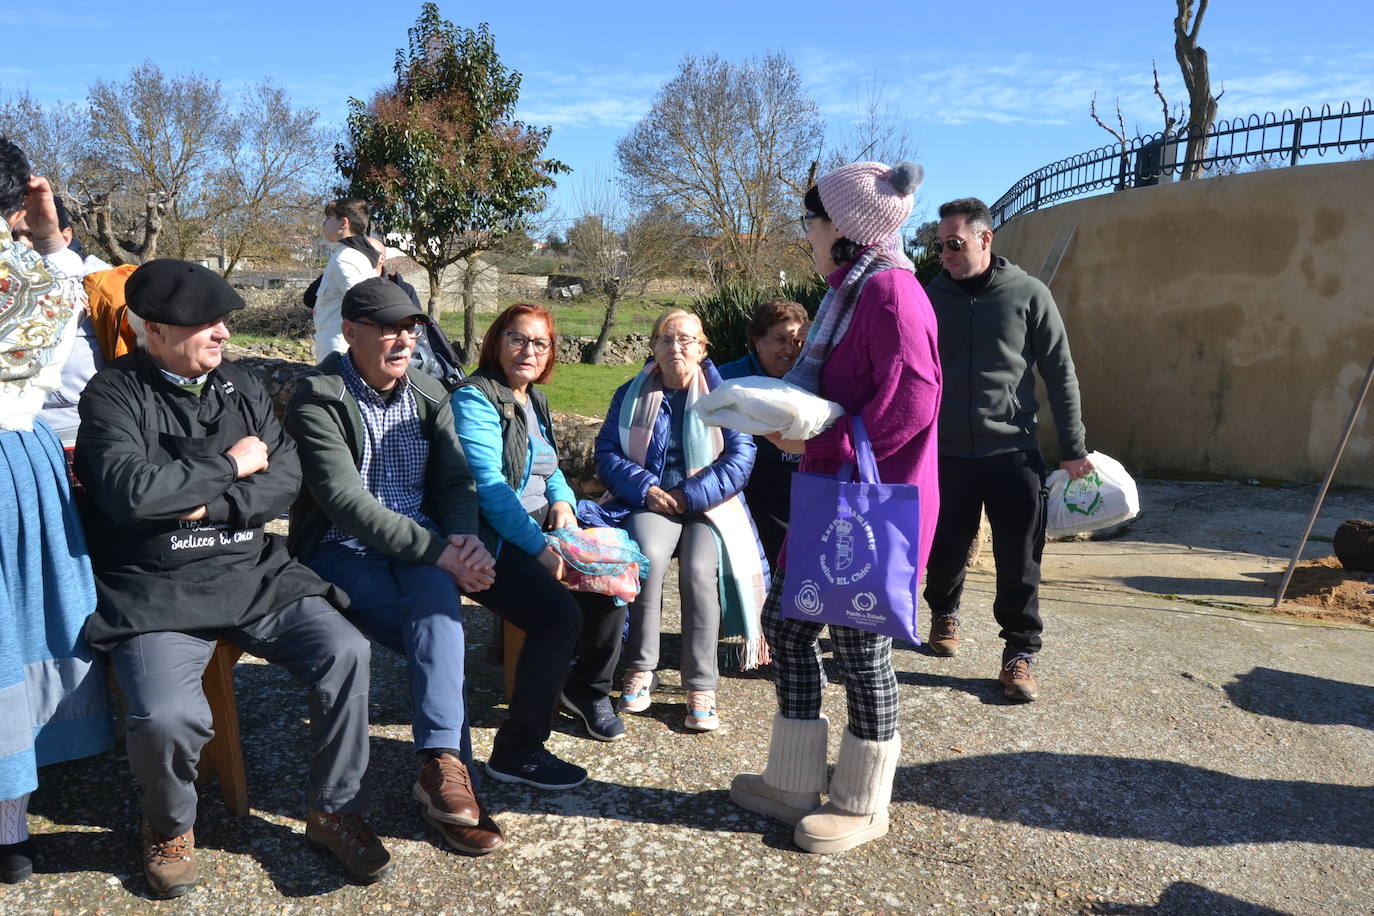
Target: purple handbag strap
863,449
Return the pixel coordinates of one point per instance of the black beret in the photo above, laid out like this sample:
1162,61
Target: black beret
379,301
169,291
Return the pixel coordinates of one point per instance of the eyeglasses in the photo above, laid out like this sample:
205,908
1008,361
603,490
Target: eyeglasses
954,244
515,342
415,329
805,222
682,340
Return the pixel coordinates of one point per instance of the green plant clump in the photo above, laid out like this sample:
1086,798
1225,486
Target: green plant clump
726,310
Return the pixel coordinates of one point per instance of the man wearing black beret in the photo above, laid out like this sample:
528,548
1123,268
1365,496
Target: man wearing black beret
184,462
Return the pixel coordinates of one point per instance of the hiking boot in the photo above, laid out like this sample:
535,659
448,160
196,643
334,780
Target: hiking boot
944,635
348,838
701,711
1018,683
169,862
538,768
597,715
445,789
478,840
16,861
635,690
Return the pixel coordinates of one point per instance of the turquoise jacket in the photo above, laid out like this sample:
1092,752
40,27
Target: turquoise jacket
483,433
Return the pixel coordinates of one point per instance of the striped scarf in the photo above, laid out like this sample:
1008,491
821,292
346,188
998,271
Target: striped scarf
837,310
742,578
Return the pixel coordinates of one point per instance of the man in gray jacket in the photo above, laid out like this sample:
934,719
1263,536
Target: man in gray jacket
997,324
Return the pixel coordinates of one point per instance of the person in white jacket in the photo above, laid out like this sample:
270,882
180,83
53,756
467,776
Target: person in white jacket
343,218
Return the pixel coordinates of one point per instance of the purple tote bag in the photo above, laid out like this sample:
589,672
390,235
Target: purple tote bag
853,549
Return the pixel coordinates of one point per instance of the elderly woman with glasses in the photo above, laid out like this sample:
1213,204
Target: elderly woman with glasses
507,433
675,485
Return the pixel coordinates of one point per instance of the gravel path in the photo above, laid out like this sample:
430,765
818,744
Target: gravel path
1182,759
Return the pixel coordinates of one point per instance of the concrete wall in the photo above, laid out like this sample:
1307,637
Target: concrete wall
1220,326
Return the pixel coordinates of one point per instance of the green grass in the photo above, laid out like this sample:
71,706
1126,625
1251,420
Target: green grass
586,390
582,316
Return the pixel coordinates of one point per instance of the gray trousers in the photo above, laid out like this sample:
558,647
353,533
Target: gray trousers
169,718
659,536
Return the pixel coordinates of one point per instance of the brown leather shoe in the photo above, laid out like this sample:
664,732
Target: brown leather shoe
944,635
445,789
474,841
169,862
1017,681
348,838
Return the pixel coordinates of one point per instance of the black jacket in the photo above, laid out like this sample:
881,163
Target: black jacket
149,452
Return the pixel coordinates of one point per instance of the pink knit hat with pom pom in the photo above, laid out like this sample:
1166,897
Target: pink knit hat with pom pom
867,201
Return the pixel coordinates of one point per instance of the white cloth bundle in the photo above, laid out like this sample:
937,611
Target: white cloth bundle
760,405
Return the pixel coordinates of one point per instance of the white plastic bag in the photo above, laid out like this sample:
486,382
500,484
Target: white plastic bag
1106,496
760,405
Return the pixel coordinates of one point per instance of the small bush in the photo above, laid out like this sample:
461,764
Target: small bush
281,315
726,310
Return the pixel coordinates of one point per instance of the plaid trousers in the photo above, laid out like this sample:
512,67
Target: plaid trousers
870,685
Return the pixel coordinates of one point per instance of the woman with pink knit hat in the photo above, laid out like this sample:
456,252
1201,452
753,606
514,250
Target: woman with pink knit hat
872,349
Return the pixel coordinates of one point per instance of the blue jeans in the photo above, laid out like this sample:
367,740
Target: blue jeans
414,610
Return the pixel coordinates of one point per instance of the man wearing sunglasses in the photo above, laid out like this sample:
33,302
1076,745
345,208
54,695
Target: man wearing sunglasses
997,326
389,514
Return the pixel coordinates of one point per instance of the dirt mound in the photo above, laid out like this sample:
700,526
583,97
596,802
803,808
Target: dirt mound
1325,590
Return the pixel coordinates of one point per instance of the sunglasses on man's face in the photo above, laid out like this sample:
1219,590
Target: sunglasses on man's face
954,244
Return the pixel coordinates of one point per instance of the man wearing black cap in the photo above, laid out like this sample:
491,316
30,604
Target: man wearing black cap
389,513
184,462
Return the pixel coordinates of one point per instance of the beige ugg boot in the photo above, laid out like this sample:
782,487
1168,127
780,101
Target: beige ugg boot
859,795
794,777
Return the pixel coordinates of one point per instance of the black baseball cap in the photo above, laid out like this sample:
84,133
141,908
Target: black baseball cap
379,301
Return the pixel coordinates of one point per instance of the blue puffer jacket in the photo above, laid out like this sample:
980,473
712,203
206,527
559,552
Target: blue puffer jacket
628,481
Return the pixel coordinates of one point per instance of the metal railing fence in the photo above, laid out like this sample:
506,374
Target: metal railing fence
1146,160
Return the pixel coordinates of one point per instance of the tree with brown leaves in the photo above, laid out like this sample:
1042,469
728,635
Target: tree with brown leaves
442,158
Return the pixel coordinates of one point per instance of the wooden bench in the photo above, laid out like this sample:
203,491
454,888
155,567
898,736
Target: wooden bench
222,757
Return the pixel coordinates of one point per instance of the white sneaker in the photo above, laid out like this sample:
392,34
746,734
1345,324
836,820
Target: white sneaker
701,711
635,690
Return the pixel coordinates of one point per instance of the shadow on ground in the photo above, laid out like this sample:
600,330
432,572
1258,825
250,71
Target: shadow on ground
1186,897
1303,698
1128,797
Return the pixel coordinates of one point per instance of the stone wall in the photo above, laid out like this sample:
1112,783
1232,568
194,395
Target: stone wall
1219,326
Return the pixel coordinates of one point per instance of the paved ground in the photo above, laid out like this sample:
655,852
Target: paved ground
1183,759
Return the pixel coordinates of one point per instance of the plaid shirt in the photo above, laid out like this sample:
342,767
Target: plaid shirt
394,450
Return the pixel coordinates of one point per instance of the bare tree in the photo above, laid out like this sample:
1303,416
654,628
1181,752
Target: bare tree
54,137
728,146
156,139
272,178
616,250
1202,105
877,133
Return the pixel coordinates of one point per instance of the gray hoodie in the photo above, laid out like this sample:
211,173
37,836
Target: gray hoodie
989,343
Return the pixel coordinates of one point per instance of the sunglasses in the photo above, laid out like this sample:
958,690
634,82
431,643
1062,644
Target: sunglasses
954,244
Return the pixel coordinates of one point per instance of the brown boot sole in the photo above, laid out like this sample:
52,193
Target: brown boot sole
171,891
455,844
359,877
943,651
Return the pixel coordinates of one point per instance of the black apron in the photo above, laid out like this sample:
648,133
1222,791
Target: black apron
192,576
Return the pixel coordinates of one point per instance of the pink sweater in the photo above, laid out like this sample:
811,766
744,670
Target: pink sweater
886,369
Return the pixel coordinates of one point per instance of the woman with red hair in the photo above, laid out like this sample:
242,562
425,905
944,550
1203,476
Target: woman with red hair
504,423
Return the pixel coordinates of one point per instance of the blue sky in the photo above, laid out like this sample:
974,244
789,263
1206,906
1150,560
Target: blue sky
988,91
